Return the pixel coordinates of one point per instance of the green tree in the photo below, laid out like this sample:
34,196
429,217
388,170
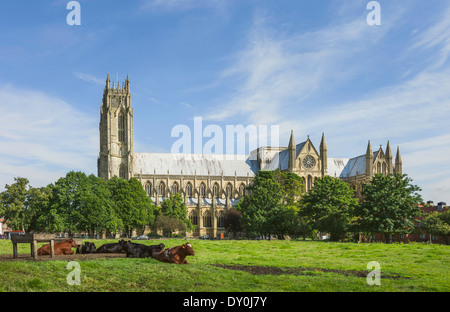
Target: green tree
301,227
123,204
132,205
49,218
20,204
265,197
144,211
39,200
438,224
169,224
292,186
97,208
329,206
390,205
174,207
80,203
67,202
74,203
271,205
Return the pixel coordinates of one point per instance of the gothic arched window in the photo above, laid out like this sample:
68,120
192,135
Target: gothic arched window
202,190
162,189
193,217
148,189
189,189
122,172
216,190
221,219
206,219
122,127
242,190
229,190
175,188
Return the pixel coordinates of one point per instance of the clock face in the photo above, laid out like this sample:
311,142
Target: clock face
309,162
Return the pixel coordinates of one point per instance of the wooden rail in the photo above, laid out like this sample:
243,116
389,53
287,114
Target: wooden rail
33,239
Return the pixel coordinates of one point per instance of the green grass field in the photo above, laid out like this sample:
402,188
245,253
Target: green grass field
219,266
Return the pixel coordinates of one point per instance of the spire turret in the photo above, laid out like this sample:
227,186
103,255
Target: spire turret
369,161
398,162
324,155
292,152
323,143
390,168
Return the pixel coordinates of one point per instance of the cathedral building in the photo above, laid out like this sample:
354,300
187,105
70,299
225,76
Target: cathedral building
211,183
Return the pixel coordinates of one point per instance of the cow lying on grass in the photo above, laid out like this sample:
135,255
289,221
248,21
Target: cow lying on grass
63,248
112,247
87,248
135,250
175,254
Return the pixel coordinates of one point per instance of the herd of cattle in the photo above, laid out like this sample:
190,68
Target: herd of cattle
132,250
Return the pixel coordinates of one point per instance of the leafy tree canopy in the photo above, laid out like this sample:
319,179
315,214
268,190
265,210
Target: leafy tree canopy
390,205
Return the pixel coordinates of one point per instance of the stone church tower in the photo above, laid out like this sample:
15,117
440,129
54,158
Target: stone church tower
116,132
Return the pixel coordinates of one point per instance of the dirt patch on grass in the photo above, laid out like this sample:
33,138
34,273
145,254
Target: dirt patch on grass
268,270
26,257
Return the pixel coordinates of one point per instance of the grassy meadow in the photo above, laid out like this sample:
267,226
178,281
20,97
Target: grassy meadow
241,265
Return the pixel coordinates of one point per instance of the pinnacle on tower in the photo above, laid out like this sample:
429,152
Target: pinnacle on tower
323,143
398,158
388,151
389,158
369,161
127,83
398,162
292,152
369,150
291,139
324,155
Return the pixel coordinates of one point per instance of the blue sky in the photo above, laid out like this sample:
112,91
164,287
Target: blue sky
306,66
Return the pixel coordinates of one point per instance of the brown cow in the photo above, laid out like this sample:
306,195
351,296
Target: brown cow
63,248
175,254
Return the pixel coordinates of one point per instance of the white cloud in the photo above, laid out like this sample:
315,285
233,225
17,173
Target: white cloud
412,115
438,191
426,161
436,37
414,106
276,73
153,100
187,105
42,136
182,5
278,76
89,78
